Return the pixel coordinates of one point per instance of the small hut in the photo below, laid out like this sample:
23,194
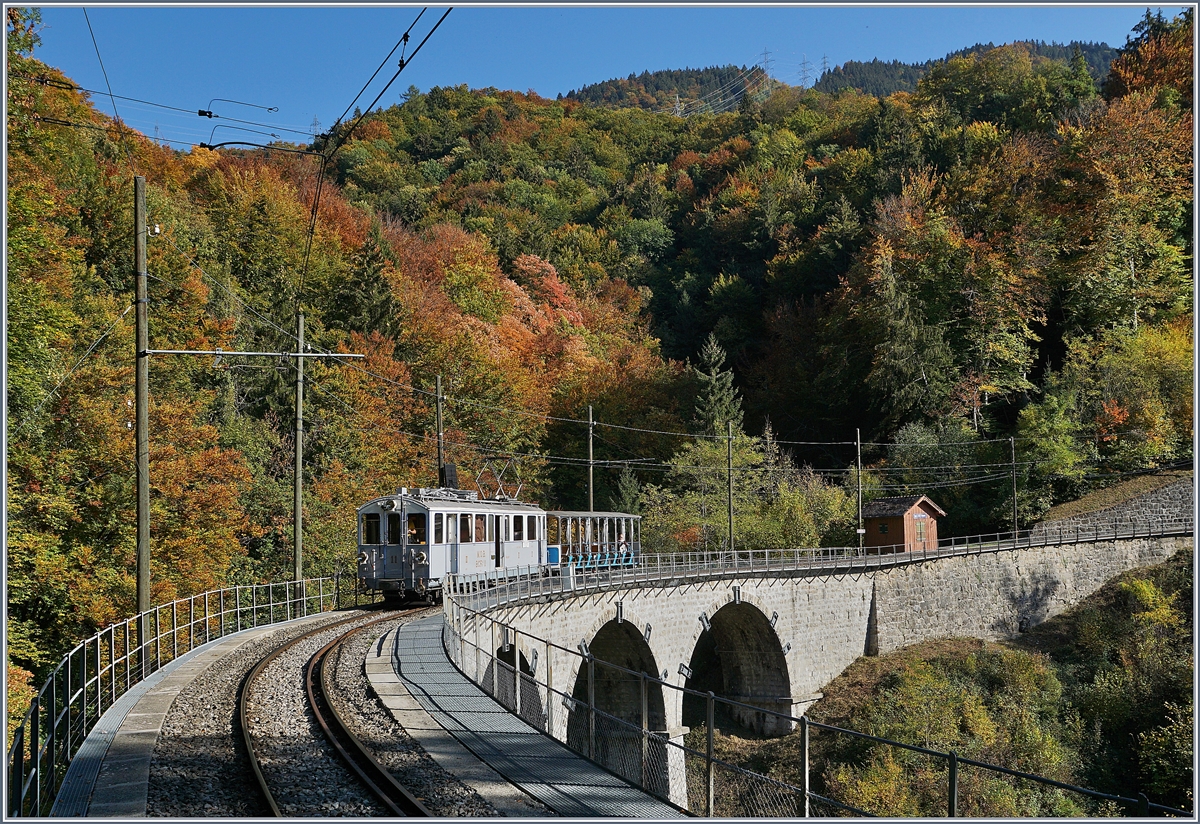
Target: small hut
905,523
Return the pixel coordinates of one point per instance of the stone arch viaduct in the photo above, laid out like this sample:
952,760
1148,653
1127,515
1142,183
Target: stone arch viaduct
772,638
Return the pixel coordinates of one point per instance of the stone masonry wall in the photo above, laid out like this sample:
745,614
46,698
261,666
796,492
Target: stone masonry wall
824,620
829,621
1173,501
1000,594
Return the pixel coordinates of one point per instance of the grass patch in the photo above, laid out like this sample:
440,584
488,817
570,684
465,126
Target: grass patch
1101,499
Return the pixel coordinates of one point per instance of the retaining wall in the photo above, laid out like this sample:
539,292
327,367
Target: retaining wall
1175,500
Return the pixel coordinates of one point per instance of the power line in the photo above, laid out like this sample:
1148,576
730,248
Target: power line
60,84
54,121
653,464
33,415
101,59
402,41
559,419
719,95
128,151
403,64
341,139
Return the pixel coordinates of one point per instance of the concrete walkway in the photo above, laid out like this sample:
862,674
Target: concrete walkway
489,748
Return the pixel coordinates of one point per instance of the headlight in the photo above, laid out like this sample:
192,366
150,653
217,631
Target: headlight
421,558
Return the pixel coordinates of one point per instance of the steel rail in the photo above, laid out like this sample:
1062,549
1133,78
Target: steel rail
383,785
243,704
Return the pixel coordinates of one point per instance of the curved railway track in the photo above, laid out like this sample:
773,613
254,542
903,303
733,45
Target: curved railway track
390,792
388,796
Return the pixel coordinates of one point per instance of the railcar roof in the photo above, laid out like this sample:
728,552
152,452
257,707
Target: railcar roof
566,513
446,499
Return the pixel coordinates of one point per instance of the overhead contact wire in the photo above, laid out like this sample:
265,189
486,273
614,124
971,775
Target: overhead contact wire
345,135
341,139
403,39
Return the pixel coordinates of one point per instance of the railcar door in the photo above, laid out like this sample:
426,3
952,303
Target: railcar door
370,567
452,540
392,562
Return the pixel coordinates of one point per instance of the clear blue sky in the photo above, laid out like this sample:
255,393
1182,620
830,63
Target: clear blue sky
310,62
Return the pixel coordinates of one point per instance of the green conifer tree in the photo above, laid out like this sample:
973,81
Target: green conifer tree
629,493
717,402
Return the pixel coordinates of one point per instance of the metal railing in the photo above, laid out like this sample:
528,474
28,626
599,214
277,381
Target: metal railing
657,761
97,672
505,586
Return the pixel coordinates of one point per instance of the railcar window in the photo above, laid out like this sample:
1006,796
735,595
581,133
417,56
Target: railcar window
491,528
451,532
439,534
416,528
395,529
519,528
464,529
507,528
480,529
370,529
533,527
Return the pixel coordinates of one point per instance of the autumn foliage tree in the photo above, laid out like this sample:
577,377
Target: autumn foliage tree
999,252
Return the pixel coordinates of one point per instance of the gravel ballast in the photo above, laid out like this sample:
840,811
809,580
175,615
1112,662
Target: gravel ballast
200,765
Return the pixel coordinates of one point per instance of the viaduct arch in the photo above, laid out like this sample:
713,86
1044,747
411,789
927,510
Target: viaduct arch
773,642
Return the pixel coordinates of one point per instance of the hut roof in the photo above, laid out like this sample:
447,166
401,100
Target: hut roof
897,506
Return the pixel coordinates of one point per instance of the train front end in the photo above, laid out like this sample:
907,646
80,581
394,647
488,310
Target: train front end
393,549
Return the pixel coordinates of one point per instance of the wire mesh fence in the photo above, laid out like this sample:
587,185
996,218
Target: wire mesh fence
621,727
96,673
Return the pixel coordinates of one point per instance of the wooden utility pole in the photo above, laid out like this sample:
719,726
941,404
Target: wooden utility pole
729,479
858,464
298,475
142,407
591,489
1012,445
141,391
441,458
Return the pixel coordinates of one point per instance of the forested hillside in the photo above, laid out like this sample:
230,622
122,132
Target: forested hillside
1001,253
683,91
881,78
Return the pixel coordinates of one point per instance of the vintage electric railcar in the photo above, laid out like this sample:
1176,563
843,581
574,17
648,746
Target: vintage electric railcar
408,542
